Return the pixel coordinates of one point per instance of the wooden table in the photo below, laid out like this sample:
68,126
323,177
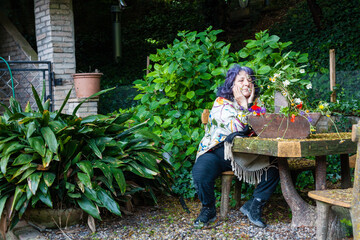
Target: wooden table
318,145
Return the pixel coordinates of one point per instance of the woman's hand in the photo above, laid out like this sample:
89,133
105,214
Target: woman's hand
239,97
252,96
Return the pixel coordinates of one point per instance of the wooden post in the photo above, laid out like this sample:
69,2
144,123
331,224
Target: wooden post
355,210
147,64
332,75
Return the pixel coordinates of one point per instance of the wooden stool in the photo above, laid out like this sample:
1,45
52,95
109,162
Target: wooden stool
295,165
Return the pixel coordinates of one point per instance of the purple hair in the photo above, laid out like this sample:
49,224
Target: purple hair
226,91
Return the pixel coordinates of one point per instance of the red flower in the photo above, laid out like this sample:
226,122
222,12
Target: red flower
255,108
299,106
292,119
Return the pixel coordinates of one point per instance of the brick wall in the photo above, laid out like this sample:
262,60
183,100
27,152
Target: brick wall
54,22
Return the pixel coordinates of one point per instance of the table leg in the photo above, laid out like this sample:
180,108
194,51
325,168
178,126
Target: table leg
303,214
345,171
320,173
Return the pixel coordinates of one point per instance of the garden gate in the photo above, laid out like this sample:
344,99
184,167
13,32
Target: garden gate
26,73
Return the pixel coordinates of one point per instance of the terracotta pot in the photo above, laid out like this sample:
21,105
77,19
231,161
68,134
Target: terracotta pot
86,84
54,218
274,125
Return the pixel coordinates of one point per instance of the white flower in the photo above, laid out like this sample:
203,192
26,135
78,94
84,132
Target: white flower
276,75
286,83
308,86
297,100
302,71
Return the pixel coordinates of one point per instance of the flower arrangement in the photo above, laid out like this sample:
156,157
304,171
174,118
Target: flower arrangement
281,77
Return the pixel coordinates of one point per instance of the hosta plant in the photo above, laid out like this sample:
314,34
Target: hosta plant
56,160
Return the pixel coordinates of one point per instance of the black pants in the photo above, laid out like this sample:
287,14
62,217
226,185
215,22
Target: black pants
210,165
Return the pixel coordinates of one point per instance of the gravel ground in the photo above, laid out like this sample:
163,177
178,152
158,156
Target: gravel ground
169,220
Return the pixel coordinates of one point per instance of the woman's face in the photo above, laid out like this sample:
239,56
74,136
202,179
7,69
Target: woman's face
244,82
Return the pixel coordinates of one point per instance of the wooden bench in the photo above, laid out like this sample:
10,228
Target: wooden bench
347,198
296,166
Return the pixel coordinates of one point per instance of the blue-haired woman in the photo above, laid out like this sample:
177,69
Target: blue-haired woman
228,118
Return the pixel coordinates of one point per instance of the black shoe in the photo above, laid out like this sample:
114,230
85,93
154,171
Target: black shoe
206,216
246,207
254,213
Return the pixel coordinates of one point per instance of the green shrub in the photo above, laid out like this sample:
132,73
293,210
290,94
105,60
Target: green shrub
183,81
58,160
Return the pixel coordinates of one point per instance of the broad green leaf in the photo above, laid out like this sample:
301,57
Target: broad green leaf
85,179
26,174
86,167
157,120
38,144
45,199
105,169
47,159
190,94
22,159
33,181
22,169
264,69
3,163
95,148
74,195
13,147
43,187
63,105
120,179
89,207
2,203
50,138
17,195
37,99
49,178
108,202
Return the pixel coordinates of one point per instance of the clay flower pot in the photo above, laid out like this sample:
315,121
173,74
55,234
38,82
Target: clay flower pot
54,218
272,125
86,84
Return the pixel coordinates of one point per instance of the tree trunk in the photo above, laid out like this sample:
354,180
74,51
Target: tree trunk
316,13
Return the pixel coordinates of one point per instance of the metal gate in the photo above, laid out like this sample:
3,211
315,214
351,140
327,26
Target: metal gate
25,74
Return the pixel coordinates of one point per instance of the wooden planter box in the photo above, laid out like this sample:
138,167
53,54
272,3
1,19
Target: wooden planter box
274,125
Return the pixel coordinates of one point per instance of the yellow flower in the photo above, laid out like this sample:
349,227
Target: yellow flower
328,115
243,115
307,111
321,106
292,104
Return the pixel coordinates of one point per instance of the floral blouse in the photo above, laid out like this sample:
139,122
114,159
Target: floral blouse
225,118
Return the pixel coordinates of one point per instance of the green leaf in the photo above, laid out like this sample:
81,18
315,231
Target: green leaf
95,148
33,181
264,69
22,159
89,207
120,179
190,94
47,159
86,167
164,101
92,96
85,179
108,202
3,163
37,99
38,144
2,203
49,178
157,120
13,147
50,138
63,105
45,199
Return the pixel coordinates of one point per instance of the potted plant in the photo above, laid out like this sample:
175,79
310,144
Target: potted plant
58,161
87,84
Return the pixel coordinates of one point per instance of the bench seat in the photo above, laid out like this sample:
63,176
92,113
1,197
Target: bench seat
338,197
